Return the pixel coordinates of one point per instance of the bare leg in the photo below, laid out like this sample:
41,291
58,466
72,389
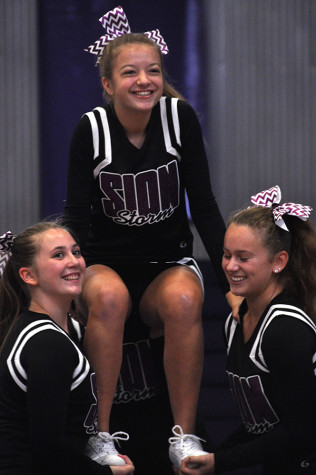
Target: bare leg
172,304
108,303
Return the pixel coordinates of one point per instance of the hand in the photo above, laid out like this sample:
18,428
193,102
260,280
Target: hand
123,469
234,302
201,465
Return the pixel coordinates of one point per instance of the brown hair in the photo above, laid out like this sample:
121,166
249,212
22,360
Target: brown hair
299,242
111,50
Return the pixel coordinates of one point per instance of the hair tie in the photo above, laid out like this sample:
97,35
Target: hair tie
6,243
271,197
116,24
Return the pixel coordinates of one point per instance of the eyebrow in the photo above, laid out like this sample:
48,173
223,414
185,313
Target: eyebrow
64,247
134,66
238,250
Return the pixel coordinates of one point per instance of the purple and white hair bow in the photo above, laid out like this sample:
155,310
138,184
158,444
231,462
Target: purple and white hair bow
116,24
271,197
6,243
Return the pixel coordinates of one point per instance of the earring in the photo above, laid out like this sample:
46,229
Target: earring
277,270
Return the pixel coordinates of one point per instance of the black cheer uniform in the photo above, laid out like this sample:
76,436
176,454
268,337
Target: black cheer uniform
273,380
128,204
47,401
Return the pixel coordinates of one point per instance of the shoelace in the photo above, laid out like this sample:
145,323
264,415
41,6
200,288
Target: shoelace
116,437
183,438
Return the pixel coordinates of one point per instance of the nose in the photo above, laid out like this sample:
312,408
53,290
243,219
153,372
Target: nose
142,78
72,260
232,265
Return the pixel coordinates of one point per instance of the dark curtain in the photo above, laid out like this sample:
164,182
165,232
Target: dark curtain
69,82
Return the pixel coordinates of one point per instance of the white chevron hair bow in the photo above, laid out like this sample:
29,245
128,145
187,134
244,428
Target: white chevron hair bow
272,196
6,243
116,24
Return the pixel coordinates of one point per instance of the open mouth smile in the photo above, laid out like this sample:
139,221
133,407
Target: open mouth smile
71,277
237,279
143,93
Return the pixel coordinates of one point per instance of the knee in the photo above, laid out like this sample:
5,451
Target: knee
183,303
107,298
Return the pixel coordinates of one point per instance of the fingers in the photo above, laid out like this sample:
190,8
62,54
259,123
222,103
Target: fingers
126,459
126,469
198,465
122,469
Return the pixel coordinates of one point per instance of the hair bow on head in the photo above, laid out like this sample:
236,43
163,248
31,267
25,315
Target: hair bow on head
116,24
272,196
6,243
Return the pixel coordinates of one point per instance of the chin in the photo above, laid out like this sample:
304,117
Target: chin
237,292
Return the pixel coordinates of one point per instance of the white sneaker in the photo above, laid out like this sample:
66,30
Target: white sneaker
184,445
101,448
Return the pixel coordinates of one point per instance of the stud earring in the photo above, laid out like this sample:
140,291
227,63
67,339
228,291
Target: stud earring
277,270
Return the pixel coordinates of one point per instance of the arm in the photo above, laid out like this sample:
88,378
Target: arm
203,206
234,302
49,360
80,180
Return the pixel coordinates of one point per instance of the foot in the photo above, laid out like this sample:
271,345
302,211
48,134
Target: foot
101,448
184,445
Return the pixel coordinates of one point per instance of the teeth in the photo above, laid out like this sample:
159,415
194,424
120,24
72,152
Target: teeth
237,279
72,277
143,93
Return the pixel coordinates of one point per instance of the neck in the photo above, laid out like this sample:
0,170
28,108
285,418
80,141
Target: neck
134,122
258,304
56,312
256,307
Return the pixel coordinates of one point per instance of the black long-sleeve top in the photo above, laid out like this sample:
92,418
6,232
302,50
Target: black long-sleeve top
47,401
273,380
126,203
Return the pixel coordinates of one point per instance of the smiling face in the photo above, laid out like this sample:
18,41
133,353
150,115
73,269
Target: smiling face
248,265
59,267
137,81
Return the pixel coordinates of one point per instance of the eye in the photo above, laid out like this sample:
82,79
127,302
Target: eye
128,72
155,70
226,256
77,253
58,255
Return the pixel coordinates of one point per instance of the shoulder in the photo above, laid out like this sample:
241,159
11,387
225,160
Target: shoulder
38,336
99,111
88,119
42,347
284,329
287,313
189,122
183,108
181,118
286,323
